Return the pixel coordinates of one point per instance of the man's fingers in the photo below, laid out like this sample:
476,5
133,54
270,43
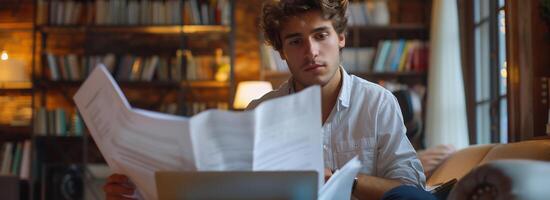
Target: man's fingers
118,197
117,189
117,178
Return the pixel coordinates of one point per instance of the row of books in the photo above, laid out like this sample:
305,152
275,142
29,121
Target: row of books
134,12
58,122
390,56
401,56
271,59
358,60
192,108
362,13
16,159
184,66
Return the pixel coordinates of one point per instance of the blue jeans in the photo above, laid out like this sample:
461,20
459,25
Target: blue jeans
407,192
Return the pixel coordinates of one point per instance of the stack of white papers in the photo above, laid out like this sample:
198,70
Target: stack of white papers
280,134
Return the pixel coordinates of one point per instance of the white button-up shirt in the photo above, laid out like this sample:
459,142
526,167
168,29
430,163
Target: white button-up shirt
365,121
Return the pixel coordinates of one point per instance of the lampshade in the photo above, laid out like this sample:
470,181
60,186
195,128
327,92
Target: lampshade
12,73
250,90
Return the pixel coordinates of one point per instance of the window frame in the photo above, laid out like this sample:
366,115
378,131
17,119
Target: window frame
469,25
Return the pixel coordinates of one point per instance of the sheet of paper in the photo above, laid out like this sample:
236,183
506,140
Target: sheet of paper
134,142
340,183
289,133
223,140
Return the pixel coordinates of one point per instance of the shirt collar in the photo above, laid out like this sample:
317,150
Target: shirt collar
345,90
344,95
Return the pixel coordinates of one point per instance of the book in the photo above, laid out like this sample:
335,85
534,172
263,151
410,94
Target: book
60,122
138,142
16,161
40,126
52,66
24,171
384,48
7,158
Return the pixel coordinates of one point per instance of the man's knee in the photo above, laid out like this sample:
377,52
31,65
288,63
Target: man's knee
407,192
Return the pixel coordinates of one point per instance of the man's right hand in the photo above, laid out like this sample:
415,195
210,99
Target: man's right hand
118,186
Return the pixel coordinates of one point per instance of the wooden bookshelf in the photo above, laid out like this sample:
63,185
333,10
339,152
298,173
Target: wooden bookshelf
159,29
392,28
47,84
15,91
371,34
11,133
16,26
66,149
205,84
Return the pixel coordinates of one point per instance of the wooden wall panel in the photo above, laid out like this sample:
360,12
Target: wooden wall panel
528,61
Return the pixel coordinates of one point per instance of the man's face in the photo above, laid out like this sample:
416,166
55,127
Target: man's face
310,46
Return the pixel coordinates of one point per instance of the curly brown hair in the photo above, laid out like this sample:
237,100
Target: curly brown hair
276,12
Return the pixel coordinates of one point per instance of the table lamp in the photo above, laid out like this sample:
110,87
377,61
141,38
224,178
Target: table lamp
12,73
248,91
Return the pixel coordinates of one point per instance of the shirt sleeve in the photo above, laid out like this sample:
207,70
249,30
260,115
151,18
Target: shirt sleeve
395,155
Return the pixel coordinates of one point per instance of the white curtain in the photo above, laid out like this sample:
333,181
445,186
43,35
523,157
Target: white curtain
446,106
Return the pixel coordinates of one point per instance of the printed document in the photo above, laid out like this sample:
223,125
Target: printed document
280,134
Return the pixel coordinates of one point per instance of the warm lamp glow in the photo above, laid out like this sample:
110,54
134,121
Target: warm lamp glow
250,90
4,55
12,74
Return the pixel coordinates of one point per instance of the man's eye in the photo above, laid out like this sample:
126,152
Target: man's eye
294,42
321,36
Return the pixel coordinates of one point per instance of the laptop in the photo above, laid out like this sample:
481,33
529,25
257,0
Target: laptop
264,185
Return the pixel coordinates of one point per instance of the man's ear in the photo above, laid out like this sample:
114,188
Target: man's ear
341,40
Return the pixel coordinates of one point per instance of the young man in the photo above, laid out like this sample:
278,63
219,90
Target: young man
359,117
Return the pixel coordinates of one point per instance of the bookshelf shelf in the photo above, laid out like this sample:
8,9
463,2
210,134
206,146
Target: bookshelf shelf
9,133
371,34
15,91
392,28
18,26
66,149
389,75
160,29
47,84
205,84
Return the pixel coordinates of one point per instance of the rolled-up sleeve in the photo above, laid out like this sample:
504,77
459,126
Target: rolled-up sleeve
395,155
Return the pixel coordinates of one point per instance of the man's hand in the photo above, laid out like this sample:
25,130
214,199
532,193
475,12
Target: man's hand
431,158
118,186
328,174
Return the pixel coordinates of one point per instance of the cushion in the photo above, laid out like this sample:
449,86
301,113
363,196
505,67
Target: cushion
505,179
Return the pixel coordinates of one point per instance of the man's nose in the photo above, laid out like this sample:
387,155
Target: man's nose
312,49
